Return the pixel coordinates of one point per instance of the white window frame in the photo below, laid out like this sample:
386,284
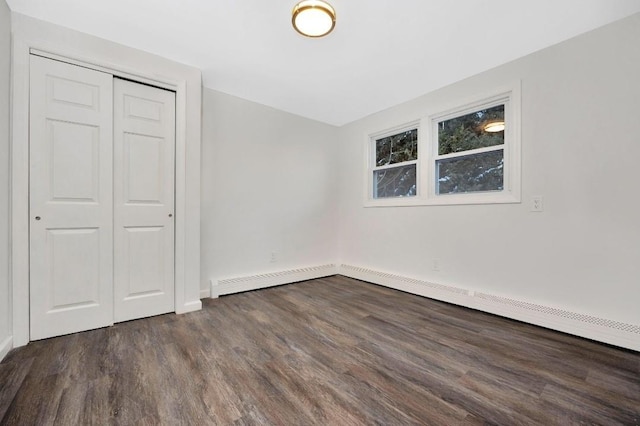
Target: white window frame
426,177
371,168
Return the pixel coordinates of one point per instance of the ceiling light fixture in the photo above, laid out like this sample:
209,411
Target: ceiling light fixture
313,18
494,126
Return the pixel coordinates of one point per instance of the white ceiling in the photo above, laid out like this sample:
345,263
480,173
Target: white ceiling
382,52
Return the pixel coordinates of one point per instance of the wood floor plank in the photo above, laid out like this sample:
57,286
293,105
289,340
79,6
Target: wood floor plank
12,375
331,351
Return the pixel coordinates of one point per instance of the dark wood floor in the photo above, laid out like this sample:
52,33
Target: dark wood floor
332,351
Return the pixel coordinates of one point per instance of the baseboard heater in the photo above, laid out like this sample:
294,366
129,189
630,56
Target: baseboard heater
270,279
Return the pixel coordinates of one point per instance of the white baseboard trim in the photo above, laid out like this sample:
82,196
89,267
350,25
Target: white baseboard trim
196,305
205,293
254,282
583,325
5,347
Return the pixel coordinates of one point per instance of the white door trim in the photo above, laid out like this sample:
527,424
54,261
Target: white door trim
126,62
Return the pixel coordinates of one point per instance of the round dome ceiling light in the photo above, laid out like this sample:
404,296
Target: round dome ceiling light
313,18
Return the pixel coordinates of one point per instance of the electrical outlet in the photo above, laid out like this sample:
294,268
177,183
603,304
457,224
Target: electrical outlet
436,264
274,257
537,204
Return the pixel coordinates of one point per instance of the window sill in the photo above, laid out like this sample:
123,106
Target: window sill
504,197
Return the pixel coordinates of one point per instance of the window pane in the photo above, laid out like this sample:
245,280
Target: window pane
471,131
474,173
397,148
395,182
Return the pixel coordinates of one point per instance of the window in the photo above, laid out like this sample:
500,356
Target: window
394,171
470,155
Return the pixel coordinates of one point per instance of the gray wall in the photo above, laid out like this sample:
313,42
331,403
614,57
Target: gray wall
580,151
5,57
269,185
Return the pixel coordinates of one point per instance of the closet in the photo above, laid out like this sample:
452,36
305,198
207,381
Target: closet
101,199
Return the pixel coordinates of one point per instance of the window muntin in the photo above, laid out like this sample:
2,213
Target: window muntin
470,153
394,173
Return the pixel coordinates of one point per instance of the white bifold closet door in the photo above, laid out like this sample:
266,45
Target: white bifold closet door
101,199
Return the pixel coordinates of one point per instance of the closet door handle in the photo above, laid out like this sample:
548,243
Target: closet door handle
170,215
37,217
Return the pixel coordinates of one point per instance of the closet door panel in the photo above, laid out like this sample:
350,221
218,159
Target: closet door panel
70,197
144,172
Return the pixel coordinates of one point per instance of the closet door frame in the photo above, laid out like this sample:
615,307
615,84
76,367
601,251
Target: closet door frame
52,42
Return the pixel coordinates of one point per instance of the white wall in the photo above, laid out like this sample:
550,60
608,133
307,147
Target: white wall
5,57
269,184
581,151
